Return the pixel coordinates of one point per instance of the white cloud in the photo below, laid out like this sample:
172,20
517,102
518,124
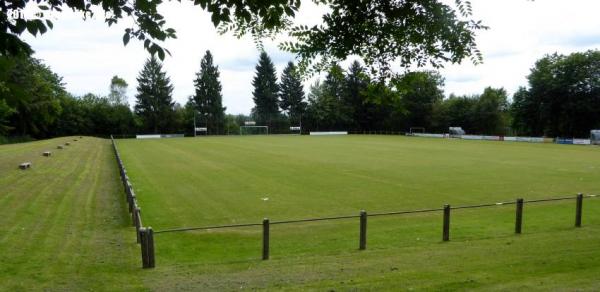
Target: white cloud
88,53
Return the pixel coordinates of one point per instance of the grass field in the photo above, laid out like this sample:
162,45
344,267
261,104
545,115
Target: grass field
224,180
64,224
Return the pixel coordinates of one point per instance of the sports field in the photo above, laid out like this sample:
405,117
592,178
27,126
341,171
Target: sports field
65,224
229,180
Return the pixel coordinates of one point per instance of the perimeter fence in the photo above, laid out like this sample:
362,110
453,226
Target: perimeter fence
144,235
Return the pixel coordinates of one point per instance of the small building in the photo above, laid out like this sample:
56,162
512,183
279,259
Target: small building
456,131
595,137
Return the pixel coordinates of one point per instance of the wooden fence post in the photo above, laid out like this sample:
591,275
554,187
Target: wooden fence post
578,210
144,247
265,250
150,248
362,245
147,246
133,217
446,229
130,199
519,216
136,219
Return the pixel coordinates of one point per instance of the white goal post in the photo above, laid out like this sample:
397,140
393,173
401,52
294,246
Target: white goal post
242,128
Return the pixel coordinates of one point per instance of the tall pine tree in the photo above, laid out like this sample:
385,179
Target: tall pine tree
334,91
208,97
292,94
154,104
361,110
266,89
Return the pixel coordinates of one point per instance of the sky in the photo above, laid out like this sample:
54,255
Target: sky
88,53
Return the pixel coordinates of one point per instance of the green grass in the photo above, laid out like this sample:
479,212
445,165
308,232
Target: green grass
223,180
64,224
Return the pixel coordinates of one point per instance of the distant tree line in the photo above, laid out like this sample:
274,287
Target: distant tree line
561,99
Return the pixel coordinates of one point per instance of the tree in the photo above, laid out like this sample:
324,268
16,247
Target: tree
208,98
363,111
5,113
154,104
292,93
316,109
525,112
118,91
455,111
32,91
326,107
415,32
490,112
266,89
563,98
420,90
333,96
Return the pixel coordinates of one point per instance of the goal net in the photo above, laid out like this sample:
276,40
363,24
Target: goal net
254,130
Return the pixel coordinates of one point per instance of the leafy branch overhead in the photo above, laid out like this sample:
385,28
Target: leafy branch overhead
418,32
425,32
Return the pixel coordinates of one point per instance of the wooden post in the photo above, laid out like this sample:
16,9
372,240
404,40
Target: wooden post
131,202
133,217
519,216
446,228
265,250
147,246
150,248
362,245
578,210
136,218
144,247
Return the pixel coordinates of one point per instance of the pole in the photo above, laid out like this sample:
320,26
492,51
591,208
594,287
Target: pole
519,216
194,123
446,228
265,251
150,243
363,230
578,210
143,246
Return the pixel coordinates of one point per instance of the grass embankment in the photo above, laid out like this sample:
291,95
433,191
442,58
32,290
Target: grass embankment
64,225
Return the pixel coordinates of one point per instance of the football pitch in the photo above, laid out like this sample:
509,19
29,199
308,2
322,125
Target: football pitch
233,180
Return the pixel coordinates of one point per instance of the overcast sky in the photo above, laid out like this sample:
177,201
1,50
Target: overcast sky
88,53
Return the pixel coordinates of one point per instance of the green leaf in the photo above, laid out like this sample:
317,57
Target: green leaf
215,18
41,27
161,53
32,27
49,24
126,39
20,26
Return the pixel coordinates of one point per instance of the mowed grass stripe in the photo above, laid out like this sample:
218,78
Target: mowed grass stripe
67,227
48,187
